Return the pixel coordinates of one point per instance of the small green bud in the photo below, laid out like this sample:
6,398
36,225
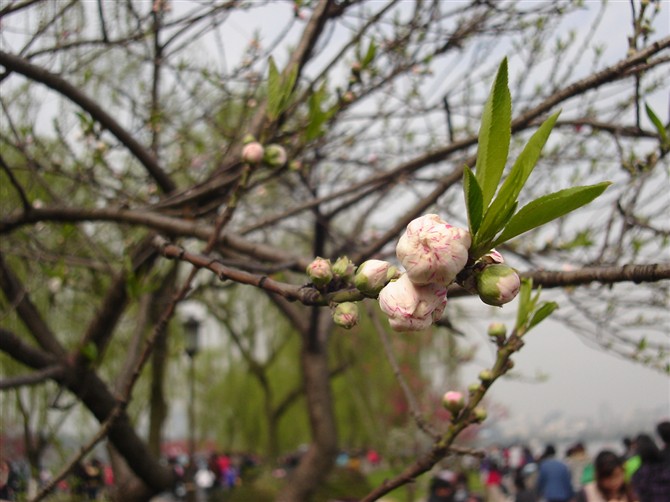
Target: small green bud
497,330
479,414
344,268
498,284
473,388
275,155
486,376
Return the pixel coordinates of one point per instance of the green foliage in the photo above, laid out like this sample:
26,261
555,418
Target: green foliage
493,221
531,311
280,89
494,135
317,116
663,131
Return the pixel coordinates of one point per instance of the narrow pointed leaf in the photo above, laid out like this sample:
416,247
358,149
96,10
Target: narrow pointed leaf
370,54
484,241
497,214
524,302
662,131
548,208
542,313
494,135
274,90
473,200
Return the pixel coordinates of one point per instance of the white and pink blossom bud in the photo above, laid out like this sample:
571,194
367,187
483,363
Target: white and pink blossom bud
498,284
372,275
411,307
253,152
320,271
346,315
275,155
432,251
492,257
453,401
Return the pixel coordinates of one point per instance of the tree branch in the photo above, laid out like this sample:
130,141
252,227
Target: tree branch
57,83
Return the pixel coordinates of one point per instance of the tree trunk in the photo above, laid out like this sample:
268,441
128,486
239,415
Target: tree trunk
319,459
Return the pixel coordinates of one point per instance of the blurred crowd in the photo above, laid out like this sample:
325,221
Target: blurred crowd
638,472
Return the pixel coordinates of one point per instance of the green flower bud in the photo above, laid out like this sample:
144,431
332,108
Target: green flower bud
498,284
479,414
346,315
275,156
473,388
497,330
344,268
486,376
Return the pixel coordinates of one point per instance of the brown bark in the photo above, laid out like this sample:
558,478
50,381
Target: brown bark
319,459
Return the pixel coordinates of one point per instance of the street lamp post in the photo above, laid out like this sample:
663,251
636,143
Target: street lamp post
191,332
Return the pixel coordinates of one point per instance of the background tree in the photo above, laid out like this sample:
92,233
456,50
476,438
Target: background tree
122,133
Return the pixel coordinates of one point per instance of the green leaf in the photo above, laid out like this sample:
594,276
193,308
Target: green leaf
370,54
542,313
484,239
548,208
662,131
274,90
280,89
90,351
498,213
525,306
494,135
473,200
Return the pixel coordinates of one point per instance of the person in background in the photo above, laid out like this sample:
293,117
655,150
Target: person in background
651,482
578,462
554,482
522,492
663,430
631,460
610,481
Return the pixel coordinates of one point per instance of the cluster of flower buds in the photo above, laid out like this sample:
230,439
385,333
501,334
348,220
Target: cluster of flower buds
254,153
432,253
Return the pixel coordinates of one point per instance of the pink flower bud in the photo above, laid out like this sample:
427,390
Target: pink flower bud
432,251
491,257
275,156
343,268
498,284
372,275
319,271
346,315
410,307
453,401
252,152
